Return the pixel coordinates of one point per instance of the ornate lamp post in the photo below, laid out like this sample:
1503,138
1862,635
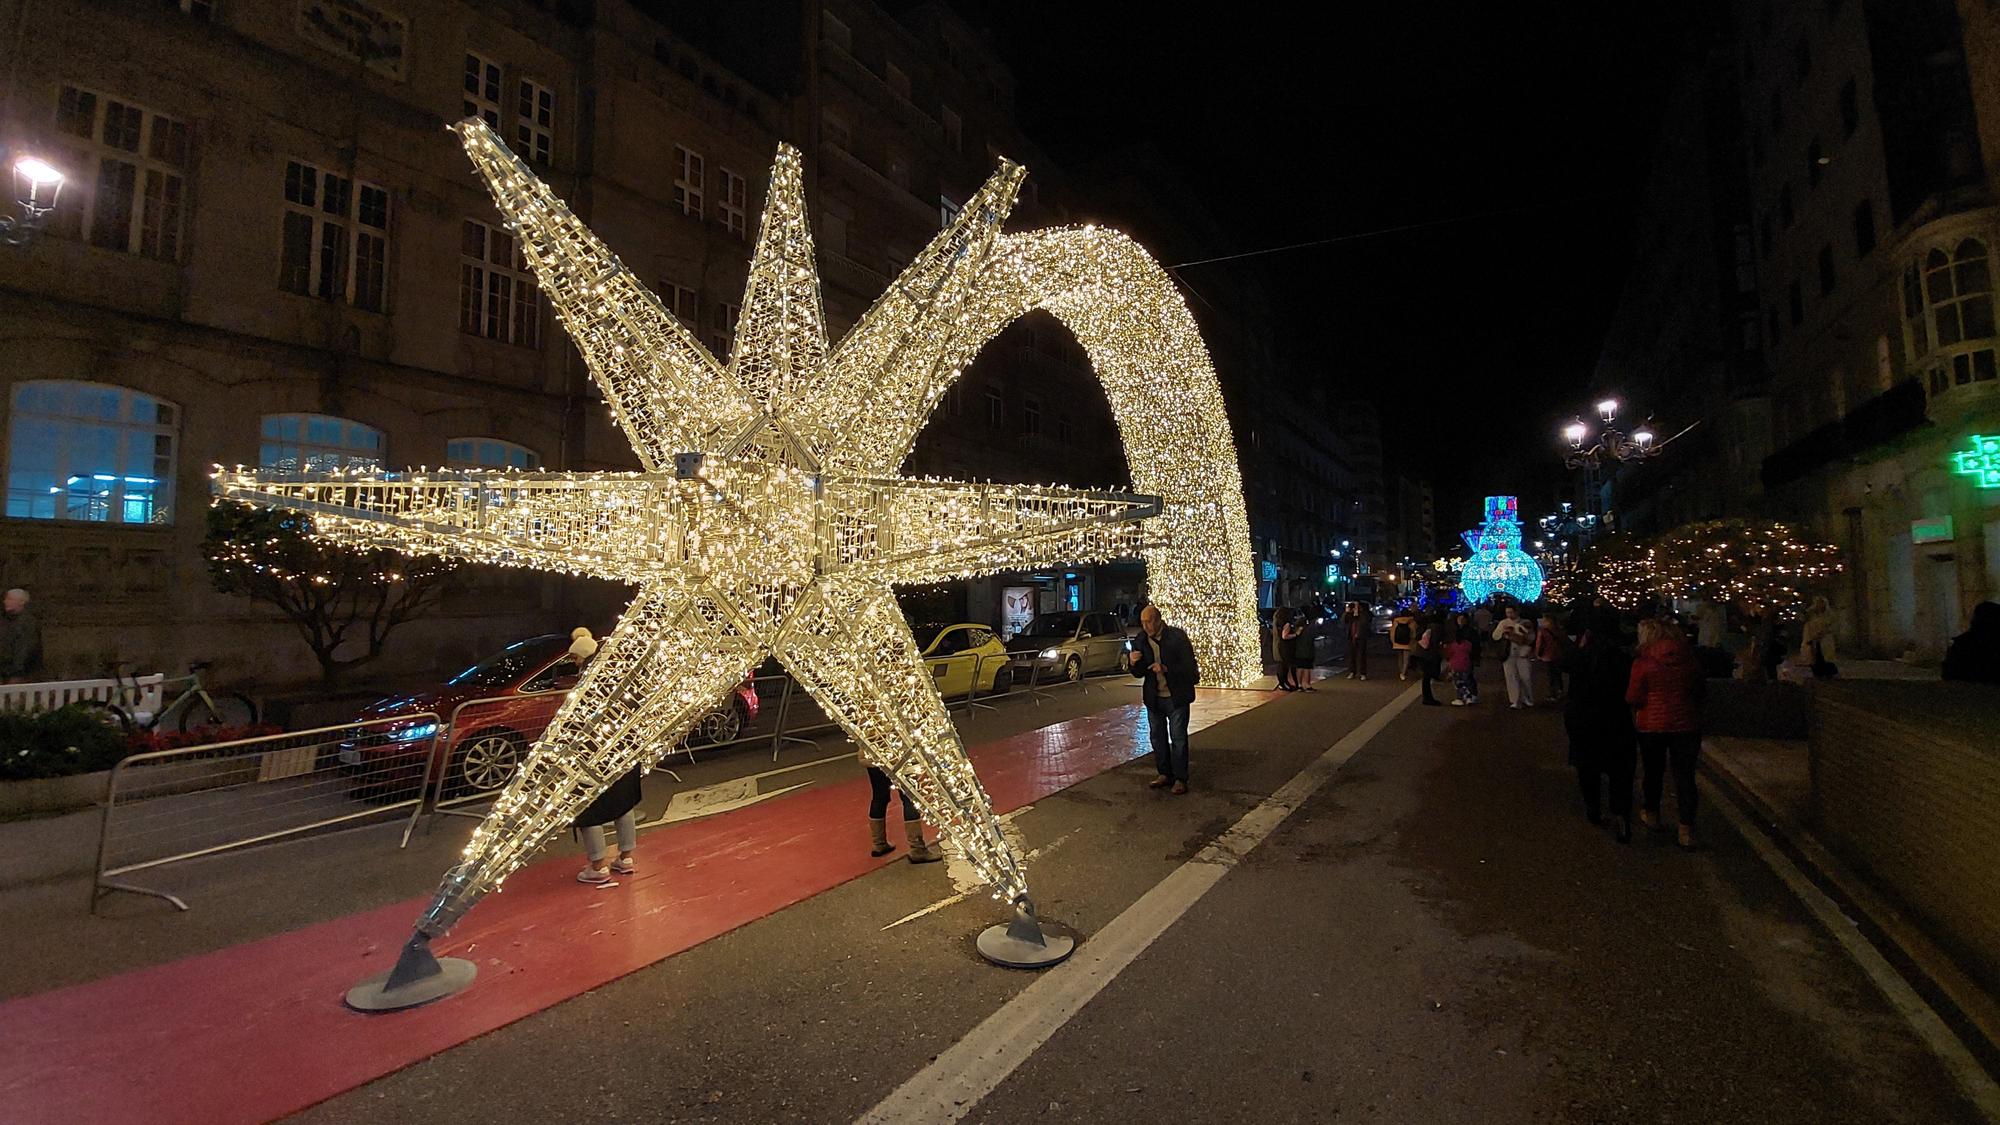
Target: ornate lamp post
1611,448
37,183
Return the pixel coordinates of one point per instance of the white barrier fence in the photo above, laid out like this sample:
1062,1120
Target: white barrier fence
54,694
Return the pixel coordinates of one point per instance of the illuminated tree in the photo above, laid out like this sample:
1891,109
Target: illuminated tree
1747,564
337,597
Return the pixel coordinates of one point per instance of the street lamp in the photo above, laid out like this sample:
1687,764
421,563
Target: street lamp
37,183
1608,409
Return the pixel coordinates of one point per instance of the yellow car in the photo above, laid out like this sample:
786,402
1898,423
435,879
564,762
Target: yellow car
953,653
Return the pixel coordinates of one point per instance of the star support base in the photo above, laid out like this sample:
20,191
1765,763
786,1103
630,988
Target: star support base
1021,944
418,978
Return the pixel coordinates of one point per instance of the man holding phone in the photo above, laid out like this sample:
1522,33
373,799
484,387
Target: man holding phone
1164,660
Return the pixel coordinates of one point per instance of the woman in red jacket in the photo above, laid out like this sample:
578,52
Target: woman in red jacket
1665,694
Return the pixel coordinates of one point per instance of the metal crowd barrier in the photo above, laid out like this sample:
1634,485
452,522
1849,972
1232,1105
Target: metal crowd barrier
165,806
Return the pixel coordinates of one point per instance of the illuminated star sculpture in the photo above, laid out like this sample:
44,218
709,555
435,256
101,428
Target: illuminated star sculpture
768,519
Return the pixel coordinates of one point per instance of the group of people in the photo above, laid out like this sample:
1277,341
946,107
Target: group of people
1447,646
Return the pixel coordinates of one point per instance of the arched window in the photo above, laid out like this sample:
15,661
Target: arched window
317,443
85,451
1913,313
489,453
1959,287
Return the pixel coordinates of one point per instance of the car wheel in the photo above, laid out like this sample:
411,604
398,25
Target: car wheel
484,762
1073,670
724,724
1003,682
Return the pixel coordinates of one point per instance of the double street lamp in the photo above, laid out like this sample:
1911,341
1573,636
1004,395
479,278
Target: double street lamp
37,183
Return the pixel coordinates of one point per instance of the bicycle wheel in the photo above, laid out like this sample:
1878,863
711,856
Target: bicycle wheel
231,709
110,714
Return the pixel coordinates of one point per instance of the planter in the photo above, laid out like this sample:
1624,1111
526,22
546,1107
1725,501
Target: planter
41,796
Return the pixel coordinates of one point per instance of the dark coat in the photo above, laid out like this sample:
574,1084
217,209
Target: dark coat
621,798
1974,655
1595,713
1183,672
20,644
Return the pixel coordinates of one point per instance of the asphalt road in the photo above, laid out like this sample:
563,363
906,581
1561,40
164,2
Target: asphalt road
1435,936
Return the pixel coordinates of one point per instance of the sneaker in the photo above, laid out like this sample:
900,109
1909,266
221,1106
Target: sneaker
1458,703
1364,676
623,867
593,876
1513,707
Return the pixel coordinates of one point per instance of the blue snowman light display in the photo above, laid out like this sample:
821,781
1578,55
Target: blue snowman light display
1498,564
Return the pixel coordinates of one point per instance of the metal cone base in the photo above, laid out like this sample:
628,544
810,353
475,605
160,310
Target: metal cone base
418,978
1021,944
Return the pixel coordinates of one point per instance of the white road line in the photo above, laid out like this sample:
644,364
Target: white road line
974,1066
1972,1079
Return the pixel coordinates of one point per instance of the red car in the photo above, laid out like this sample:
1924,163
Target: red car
490,714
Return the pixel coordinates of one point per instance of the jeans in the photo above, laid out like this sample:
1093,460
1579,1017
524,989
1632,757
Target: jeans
1357,656
1555,677
1519,672
878,797
1166,729
1682,749
628,836
1468,686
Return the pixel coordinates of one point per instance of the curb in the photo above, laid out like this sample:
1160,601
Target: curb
1961,1003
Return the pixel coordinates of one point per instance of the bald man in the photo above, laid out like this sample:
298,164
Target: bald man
20,640
1164,661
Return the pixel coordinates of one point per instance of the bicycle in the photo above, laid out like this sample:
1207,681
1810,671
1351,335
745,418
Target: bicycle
199,706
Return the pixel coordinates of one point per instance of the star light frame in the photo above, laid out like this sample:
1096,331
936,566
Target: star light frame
768,518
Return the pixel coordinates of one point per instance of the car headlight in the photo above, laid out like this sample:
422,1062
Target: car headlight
1049,653
411,734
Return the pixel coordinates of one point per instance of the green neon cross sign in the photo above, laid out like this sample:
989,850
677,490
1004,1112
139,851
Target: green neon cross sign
1981,462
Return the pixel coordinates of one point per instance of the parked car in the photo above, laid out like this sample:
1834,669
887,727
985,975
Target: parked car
955,653
1069,644
513,695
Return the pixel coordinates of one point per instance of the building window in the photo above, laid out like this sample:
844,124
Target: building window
954,401
898,80
132,165
1826,273
684,303
996,409
535,124
732,205
1785,207
720,341
317,258
1065,432
1796,303
1031,417
833,130
948,210
1959,287
1972,367
954,128
688,180
482,89
316,443
1815,163
86,451
836,32
1850,109
489,453
496,292
1913,313
1864,228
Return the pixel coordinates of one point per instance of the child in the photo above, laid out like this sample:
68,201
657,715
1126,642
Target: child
1458,658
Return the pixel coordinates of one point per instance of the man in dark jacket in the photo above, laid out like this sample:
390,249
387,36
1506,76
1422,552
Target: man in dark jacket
20,641
1164,660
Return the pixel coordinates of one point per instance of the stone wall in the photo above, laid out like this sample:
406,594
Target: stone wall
1906,788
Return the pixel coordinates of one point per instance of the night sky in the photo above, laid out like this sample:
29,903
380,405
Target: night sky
1513,137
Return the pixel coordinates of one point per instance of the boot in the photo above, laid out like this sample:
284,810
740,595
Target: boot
920,852
878,833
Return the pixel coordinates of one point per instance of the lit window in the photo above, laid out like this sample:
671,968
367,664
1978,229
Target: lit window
131,166
732,205
489,453
688,181
335,240
317,443
496,292
482,89
1959,287
85,451
535,124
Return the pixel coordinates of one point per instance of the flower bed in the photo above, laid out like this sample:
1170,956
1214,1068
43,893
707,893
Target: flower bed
75,740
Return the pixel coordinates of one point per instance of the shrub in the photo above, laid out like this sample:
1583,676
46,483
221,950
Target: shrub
70,740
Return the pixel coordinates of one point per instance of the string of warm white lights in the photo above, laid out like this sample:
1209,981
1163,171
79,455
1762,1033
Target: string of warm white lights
768,519
1750,564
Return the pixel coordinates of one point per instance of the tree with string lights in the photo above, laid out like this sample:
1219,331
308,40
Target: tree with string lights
1745,564
338,597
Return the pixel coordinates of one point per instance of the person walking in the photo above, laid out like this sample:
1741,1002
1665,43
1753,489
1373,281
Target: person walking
1402,633
1974,656
1360,627
1304,653
618,808
1427,653
1164,659
1550,643
1517,654
1282,636
1458,661
878,821
1602,740
1665,691
20,639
